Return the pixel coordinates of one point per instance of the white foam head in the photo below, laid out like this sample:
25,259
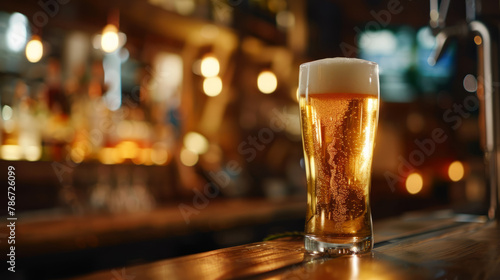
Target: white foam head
339,75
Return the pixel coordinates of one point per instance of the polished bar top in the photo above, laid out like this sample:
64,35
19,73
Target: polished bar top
440,246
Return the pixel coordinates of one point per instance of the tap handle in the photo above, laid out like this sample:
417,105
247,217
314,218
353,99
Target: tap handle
470,10
438,13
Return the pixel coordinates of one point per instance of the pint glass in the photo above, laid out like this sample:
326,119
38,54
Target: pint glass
339,101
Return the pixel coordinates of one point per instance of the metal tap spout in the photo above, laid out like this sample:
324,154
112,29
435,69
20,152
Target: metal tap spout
443,38
488,72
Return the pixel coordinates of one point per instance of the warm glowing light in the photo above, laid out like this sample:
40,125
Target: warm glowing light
267,82
144,157
210,67
355,264
34,49
124,129
167,78
478,40
109,38
106,155
212,86
196,143
140,158
414,183
11,152
117,155
6,112
77,155
33,153
188,157
296,95
127,149
368,143
159,154
456,171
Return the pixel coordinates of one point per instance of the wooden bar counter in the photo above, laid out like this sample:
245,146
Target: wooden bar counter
435,246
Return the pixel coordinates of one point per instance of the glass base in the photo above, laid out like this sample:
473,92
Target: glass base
334,247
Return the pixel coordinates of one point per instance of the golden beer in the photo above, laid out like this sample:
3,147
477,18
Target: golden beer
339,120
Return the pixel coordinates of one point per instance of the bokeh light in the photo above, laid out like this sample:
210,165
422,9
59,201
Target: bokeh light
109,38
6,112
414,183
128,149
212,86
17,33
11,152
159,153
456,171
267,82
210,67
33,153
77,154
478,40
106,155
34,50
188,157
470,83
196,142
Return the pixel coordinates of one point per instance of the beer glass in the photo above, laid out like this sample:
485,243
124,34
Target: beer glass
339,101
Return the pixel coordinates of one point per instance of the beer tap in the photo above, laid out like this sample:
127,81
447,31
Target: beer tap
486,36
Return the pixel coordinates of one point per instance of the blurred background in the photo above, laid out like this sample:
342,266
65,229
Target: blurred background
147,129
